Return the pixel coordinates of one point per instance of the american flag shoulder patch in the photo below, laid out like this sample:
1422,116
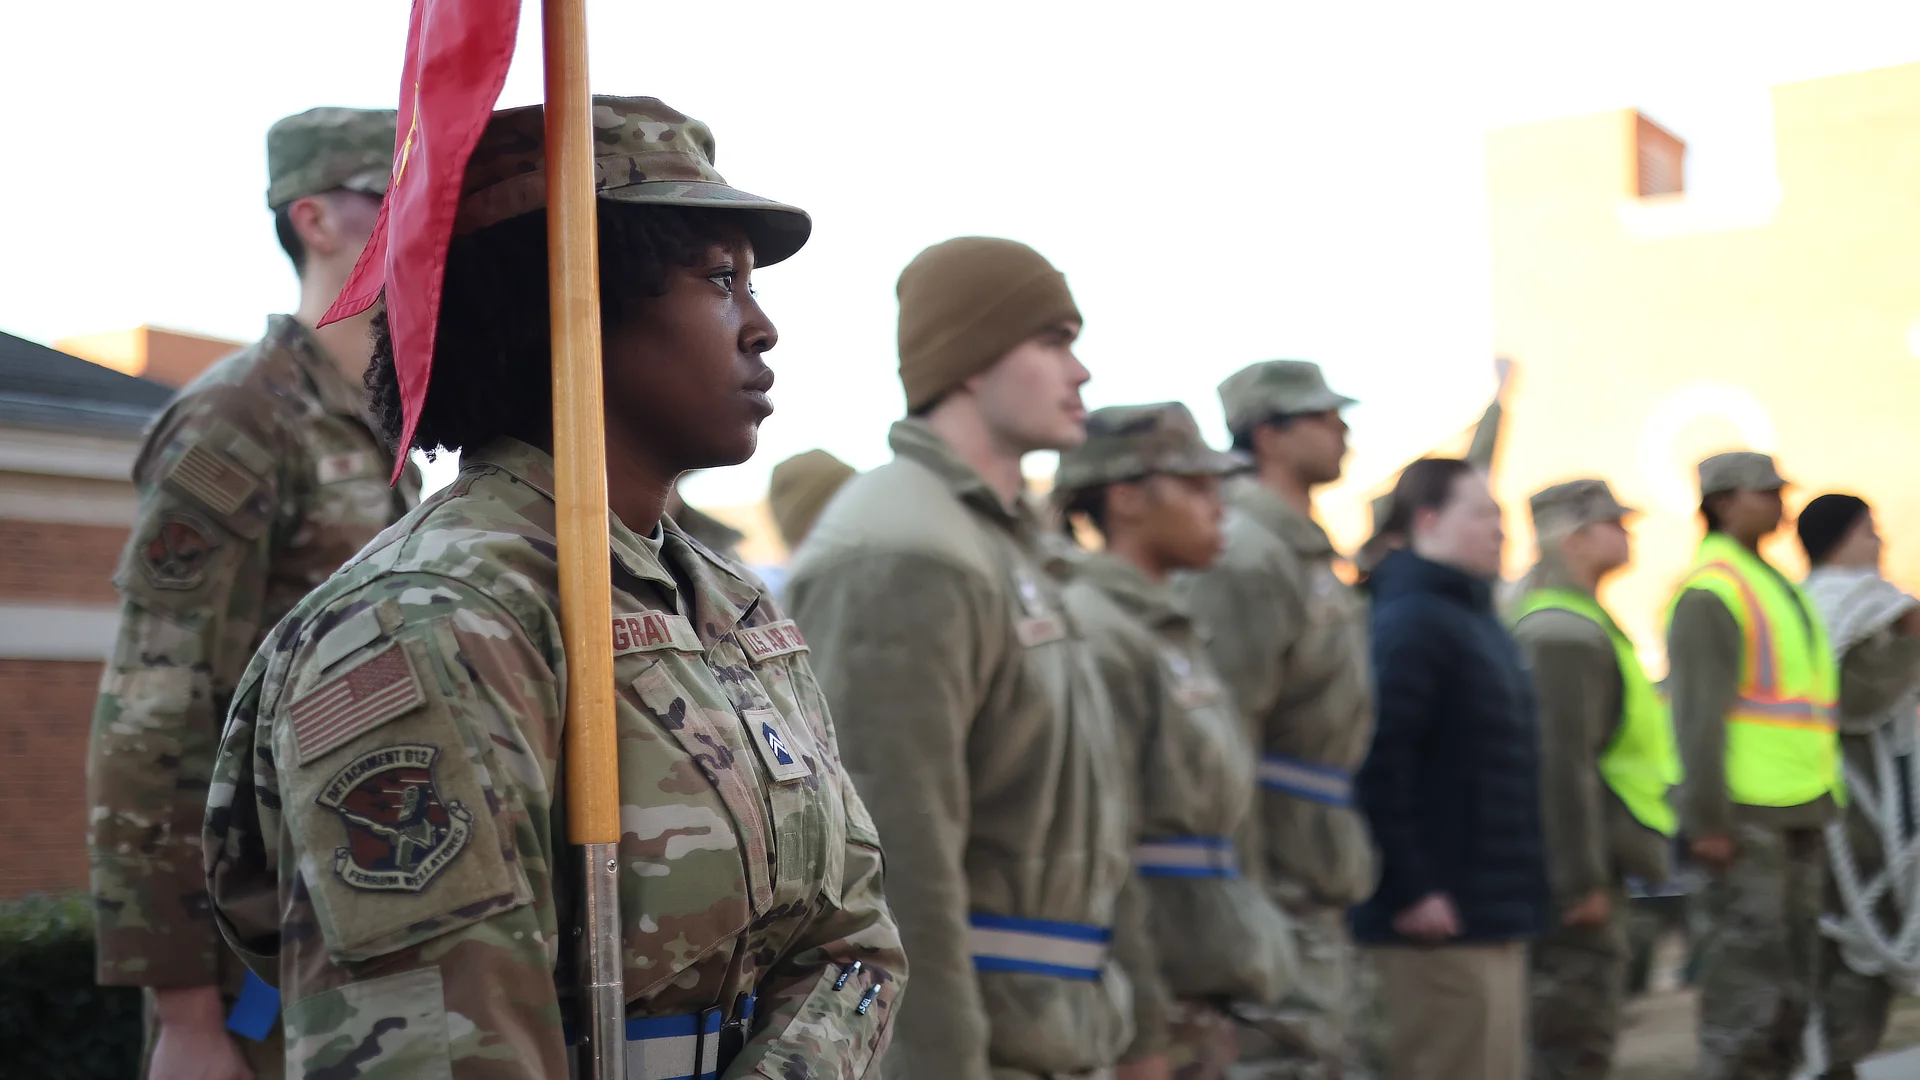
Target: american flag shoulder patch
355,702
212,479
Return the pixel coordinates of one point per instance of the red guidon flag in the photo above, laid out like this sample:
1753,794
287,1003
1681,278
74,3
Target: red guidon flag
458,52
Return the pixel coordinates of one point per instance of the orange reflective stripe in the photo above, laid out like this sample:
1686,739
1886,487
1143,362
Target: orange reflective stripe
1759,631
1807,725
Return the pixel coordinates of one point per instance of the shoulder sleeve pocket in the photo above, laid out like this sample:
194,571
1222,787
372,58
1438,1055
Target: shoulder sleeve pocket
392,1026
836,1032
178,558
392,805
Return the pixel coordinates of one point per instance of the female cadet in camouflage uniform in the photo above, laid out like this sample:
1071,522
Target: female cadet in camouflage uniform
1146,480
384,840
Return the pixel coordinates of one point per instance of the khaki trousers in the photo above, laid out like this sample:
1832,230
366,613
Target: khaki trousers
1455,1012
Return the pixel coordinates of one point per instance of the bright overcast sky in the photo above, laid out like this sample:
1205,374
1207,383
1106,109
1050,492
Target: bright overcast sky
1220,182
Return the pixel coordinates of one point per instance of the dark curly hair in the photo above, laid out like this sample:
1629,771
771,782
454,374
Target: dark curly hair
492,368
1087,502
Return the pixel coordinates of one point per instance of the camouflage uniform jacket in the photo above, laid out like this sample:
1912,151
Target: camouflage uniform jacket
978,727
1289,638
385,837
257,482
1593,841
1216,938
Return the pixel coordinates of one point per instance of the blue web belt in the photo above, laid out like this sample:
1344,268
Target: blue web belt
1037,946
1186,857
685,1047
255,1011
1308,780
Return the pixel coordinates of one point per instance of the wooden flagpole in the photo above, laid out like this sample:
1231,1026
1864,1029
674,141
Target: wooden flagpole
580,493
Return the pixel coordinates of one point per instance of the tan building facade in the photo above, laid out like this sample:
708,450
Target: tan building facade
1653,329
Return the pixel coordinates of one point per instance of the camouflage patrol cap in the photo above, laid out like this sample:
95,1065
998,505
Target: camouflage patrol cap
1575,504
799,490
1739,471
1129,442
644,152
329,148
1276,388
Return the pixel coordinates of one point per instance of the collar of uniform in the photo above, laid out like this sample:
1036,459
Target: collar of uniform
1278,516
915,440
1128,586
707,529
337,393
721,598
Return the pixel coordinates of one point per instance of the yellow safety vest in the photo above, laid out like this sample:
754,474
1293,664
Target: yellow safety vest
1783,745
1643,761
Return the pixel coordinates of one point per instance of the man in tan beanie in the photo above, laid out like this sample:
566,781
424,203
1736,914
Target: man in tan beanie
968,707
800,488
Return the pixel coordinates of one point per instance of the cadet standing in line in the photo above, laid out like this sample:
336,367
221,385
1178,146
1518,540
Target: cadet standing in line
1151,486
1866,961
1754,687
1290,640
384,839
258,481
1607,761
800,489
976,721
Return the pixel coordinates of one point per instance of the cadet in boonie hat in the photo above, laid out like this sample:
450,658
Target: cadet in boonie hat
1607,762
450,632
1298,665
1283,416
1754,686
1277,388
1575,504
1150,485
1741,470
1132,442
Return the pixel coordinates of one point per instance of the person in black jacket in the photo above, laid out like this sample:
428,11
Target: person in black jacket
1451,790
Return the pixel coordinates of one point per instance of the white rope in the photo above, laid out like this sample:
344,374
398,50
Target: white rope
1870,943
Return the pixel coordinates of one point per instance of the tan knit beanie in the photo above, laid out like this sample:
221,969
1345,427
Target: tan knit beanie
965,304
801,486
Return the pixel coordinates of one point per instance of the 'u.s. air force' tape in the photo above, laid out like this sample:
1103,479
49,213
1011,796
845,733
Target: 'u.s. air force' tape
255,1011
1037,946
1186,857
1308,780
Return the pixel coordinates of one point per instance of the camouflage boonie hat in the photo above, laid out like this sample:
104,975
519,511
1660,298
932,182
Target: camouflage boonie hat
1276,388
1739,471
1575,504
644,152
327,149
1128,442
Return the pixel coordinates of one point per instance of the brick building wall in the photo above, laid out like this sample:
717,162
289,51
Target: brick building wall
58,561
43,752
66,507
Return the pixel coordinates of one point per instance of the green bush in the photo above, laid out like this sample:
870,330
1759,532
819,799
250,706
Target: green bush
54,1022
